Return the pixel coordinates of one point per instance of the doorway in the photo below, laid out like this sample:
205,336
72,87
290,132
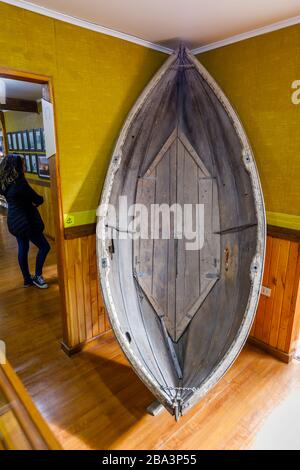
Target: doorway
29,318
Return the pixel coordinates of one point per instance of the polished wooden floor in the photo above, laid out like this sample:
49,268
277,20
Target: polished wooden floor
94,400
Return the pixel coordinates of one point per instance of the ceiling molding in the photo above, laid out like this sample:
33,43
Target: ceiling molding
87,25
247,35
142,42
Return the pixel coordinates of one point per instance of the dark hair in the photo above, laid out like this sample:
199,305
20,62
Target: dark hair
11,168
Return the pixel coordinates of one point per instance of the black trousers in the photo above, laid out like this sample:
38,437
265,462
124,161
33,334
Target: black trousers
39,240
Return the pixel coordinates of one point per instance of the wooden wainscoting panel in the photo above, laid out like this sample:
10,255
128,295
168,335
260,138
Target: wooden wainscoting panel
293,330
271,283
42,187
279,291
257,329
86,312
78,264
72,336
94,285
275,328
85,255
277,321
290,291
79,231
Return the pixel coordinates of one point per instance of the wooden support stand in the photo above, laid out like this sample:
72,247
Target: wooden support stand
155,408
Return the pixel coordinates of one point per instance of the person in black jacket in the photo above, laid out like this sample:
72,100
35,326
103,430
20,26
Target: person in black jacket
23,218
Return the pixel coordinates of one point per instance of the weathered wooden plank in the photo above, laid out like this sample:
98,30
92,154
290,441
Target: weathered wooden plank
159,263
162,152
190,185
173,242
46,209
188,288
180,258
143,247
210,252
192,152
191,282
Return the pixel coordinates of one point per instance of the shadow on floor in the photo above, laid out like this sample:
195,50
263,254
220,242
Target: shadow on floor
109,397
122,382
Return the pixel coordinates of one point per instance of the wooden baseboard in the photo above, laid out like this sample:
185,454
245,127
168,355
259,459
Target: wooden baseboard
39,182
281,355
79,231
283,233
81,346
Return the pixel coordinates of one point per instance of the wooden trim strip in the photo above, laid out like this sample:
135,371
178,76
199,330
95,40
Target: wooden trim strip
79,231
283,233
281,355
89,229
84,345
24,76
55,187
4,132
39,182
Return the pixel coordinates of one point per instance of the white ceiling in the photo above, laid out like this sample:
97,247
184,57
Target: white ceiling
162,21
22,90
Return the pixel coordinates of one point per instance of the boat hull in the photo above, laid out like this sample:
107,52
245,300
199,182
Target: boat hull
182,315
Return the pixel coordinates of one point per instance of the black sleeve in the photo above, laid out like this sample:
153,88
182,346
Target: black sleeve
30,195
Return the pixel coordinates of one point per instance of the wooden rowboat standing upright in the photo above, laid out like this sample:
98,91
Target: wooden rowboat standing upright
181,316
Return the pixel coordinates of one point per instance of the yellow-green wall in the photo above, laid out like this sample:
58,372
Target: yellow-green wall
256,75
96,79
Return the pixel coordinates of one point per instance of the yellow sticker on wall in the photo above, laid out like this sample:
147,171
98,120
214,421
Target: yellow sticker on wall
69,220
